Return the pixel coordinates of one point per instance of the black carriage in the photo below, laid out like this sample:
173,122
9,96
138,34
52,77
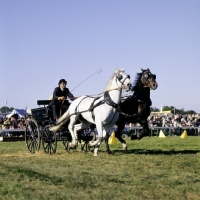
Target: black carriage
37,132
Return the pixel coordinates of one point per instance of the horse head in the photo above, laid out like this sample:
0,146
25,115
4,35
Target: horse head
123,79
148,79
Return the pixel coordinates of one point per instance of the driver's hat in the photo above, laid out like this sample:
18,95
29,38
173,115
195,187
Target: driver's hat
62,81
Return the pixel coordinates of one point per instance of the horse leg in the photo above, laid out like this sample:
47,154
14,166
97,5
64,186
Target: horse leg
118,136
145,126
142,133
107,145
96,149
71,128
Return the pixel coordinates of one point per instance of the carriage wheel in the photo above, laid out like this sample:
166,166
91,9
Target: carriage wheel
49,141
85,147
66,140
91,136
32,136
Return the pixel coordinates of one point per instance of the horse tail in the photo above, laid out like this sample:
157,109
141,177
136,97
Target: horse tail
65,117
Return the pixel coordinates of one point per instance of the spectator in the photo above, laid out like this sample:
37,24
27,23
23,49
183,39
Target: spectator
1,121
6,124
14,122
4,117
21,125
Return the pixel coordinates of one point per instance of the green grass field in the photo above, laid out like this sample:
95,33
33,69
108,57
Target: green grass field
152,168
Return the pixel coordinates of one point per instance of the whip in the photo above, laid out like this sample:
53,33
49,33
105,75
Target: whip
97,72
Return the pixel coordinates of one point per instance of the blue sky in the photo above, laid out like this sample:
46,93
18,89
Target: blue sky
42,41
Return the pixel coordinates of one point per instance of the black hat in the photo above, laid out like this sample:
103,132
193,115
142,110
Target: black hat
62,81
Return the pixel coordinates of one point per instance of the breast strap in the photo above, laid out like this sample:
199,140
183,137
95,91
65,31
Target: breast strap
109,101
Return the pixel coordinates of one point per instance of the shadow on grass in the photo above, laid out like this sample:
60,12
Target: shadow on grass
155,152
32,174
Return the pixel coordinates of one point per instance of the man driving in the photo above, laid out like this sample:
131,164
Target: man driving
59,103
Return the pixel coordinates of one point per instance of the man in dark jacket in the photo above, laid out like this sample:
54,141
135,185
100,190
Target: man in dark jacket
59,103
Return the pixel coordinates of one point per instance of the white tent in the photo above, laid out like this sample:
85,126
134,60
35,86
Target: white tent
14,112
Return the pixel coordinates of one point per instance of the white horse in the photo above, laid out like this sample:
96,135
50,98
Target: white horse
101,111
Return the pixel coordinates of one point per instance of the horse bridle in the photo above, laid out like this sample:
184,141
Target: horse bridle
149,77
119,78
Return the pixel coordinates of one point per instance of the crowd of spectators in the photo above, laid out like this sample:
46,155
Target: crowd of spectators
178,120
13,122
155,120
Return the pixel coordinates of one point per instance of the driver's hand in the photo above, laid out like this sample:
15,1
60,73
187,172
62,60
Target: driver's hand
61,98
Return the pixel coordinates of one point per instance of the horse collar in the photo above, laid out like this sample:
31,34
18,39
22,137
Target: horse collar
109,101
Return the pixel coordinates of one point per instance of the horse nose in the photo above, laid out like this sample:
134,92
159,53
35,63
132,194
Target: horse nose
155,85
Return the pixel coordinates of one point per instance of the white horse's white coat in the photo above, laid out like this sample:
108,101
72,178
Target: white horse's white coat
104,115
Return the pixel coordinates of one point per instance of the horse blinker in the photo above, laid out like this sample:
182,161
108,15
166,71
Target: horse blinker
119,77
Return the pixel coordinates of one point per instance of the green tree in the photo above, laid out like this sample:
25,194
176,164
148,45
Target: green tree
154,109
5,108
166,108
178,111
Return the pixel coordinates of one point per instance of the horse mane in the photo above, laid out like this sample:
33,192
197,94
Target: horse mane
109,82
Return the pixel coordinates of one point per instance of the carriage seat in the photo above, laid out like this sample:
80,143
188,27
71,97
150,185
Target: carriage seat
42,114
49,111
43,102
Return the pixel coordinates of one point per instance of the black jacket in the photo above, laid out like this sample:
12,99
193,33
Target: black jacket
59,93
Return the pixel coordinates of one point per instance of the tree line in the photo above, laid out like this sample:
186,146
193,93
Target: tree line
173,110
5,108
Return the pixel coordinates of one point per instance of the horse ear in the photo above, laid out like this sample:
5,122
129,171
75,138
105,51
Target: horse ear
119,70
116,71
142,70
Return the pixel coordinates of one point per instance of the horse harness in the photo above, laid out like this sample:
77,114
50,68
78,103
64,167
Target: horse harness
119,78
107,99
139,102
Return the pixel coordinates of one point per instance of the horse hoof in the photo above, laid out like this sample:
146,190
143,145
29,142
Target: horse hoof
137,137
134,137
109,152
72,146
124,147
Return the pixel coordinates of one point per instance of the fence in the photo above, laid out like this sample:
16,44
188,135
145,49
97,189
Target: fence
18,134
168,131
12,134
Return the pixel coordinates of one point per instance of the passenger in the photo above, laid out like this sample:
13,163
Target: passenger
59,103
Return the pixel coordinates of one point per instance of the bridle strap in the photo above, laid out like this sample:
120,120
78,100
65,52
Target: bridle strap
149,79
122,82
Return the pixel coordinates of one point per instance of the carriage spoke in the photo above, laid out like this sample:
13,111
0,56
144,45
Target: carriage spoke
83,144
30,146
32,136
46,148
49,141
52,148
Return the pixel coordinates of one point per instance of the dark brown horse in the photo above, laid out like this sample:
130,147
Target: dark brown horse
136,110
